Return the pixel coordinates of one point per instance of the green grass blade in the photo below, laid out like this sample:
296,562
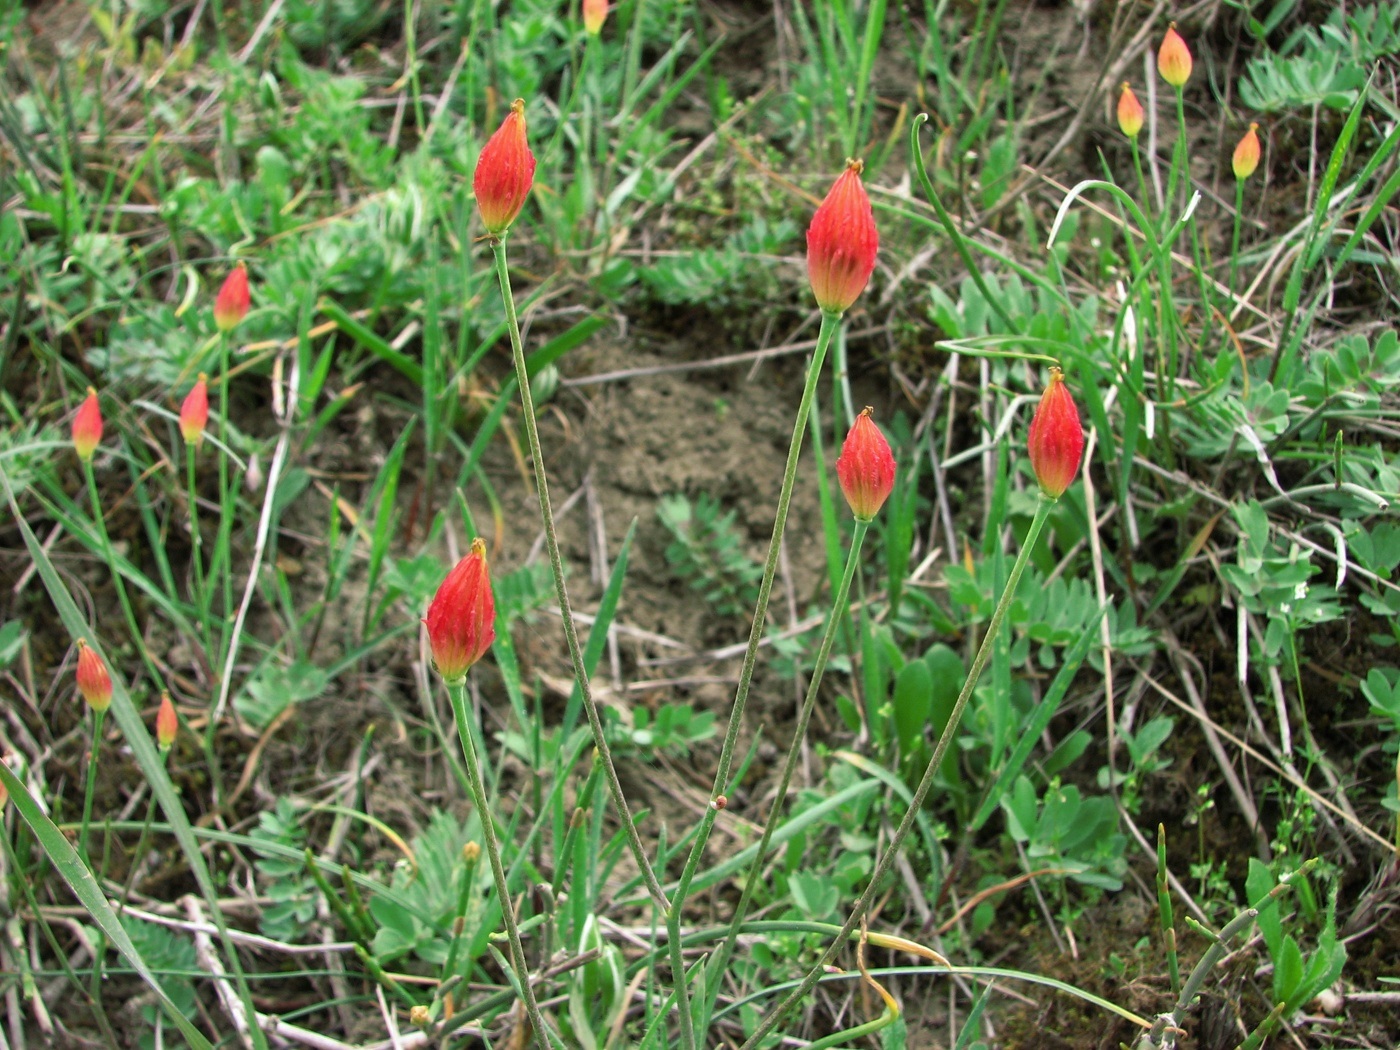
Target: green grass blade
142,747
68,864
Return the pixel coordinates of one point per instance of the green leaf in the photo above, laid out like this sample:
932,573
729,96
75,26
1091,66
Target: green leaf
67,863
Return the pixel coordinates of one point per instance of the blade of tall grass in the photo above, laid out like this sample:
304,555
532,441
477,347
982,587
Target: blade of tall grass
143,749
84,886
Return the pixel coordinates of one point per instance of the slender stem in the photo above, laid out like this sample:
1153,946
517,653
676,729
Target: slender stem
1178,160
201,599
457,691
556,564
141,841
222,556
117,581
833,623
459,917
1141,181
1235,240
882,867
830,323
98,717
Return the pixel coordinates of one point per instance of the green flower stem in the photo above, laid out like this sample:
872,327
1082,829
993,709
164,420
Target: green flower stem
222,556
457,691
833,622
1235,241
556,564
464,893
98,717
201,600
1137,168
830,323
1178,161
117,581
882,867
142,839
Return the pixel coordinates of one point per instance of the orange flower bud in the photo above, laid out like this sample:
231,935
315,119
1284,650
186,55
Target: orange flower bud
231,305
1129,112
865,467
595,12
87,427
1246,158
1174,58
167,723
194,413
505,171
841,243
1056,439
462,615
94,683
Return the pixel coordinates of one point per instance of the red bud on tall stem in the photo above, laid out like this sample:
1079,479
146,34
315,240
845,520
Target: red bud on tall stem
842,242
1174,59
94,683
1057,439
865,467
233,300
167,723
461,617
505,171
595,13
194,413
1246,158
1130,115
87,427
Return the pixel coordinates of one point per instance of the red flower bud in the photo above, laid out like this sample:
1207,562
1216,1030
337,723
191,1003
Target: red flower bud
1174,58
1056,439
461,618
94,683
841,243
505,171
595,12
87,427
167,723
194,413
231,305
1129,112
1246,158
865,467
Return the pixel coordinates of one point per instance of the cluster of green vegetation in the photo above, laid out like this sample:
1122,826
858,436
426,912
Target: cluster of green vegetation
1174,683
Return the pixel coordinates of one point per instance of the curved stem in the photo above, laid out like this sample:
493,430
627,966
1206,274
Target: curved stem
457,691
833,622
882,867
955,234
556,564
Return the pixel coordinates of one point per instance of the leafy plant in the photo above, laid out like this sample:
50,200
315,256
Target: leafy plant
708,554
